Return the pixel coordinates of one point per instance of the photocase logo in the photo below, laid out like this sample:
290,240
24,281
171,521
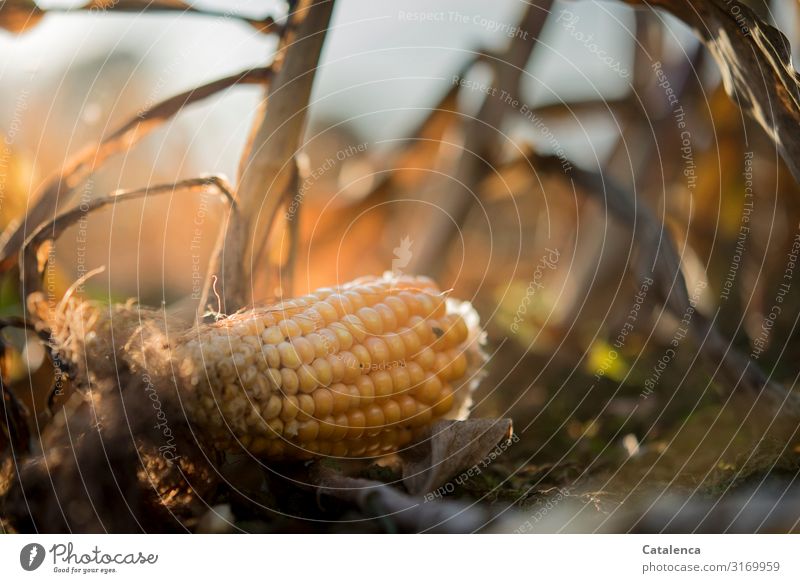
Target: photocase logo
31,556
402,255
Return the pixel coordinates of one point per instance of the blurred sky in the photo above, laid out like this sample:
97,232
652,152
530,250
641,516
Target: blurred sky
380,69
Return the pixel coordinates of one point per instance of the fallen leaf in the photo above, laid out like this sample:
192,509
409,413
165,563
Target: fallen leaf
406,513
448,448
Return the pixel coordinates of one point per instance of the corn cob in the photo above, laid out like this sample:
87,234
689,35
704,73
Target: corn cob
358,370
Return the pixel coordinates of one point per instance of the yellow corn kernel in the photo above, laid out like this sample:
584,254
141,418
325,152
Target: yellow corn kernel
307,378
323,371
341,398
290,384
323,402
289,356
308,431
371,320
344,339
391,412
382,381
271,355
341,304
366,389
401,380
426,358
399,308
395,346
387,316
357,300
306,407
289,328
356,421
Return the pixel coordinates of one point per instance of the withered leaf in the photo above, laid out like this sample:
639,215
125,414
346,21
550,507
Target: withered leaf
448,448
754,59
406,513
17,16
48,231
45,203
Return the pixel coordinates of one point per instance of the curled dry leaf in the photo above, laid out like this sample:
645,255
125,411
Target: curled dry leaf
17,16
754,59
481,137
448,448
30,265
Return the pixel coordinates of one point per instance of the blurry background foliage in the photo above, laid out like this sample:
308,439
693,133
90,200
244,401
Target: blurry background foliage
73,77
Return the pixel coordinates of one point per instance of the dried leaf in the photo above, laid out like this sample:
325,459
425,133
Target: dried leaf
17,16
448,448
407,513
51,230
755,62
88,160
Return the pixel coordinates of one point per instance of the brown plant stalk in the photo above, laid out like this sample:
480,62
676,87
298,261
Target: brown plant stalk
269,163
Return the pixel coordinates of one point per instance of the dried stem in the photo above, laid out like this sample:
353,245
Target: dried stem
293,234
267,172
415,150
754,59
481,142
